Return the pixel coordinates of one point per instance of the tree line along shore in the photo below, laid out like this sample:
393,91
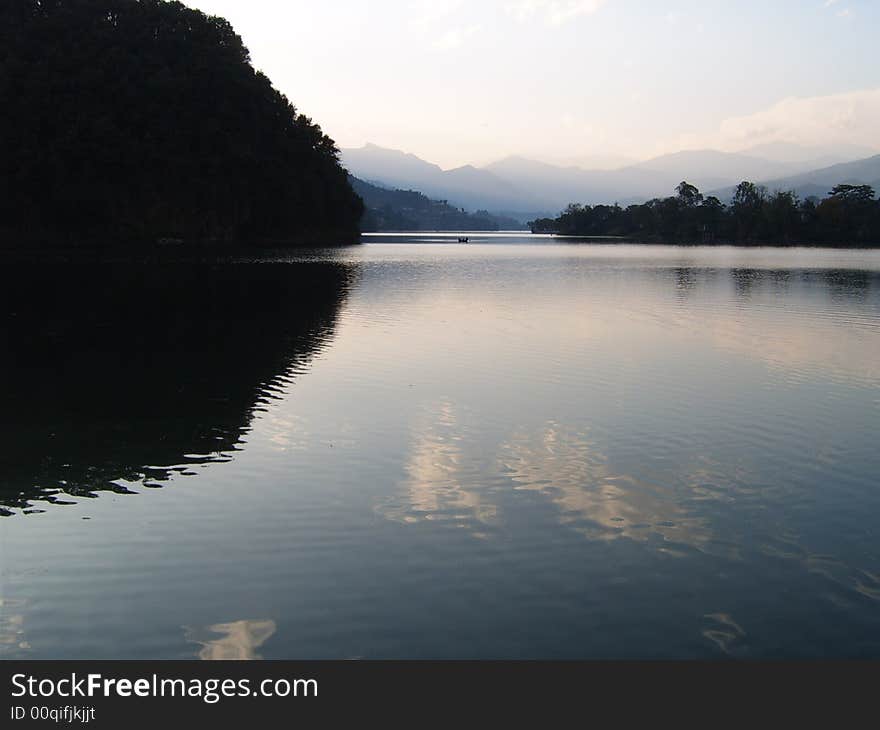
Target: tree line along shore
848,216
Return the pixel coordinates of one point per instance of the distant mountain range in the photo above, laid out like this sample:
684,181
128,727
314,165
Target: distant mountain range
819,182
388,209
524,189
467,187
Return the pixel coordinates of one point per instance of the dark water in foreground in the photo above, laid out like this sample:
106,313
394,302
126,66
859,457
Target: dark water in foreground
402,450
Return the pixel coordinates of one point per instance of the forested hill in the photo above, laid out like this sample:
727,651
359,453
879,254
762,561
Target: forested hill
408,210
138,120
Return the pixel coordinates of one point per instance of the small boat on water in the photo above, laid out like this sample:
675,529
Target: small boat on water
462,239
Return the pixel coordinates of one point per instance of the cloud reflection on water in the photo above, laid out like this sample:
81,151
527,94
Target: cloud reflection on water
439,486
568,468
453,480
13,640
235,640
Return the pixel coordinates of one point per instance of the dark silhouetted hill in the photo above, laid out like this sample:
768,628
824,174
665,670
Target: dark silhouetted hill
137,120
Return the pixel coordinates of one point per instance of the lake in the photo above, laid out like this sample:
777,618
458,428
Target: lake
519,447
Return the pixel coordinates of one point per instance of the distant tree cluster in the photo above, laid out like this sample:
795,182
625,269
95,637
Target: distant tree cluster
136,120
850,215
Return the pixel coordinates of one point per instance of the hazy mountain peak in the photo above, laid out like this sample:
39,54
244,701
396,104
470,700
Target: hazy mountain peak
375,150
819,182
466,186
518,162
700,156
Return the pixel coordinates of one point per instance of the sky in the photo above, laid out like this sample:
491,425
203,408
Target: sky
468,82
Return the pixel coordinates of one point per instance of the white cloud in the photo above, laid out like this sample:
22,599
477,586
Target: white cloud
455,37
848,117
430,12
844,13
554,12
845,118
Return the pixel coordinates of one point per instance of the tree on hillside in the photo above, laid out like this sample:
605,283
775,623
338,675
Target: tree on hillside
688,195
781,217
853,194
711,216
747,203
849,213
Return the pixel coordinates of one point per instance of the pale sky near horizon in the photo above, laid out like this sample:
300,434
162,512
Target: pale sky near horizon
460,82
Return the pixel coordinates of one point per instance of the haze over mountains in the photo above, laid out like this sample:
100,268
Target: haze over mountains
522,188
818,182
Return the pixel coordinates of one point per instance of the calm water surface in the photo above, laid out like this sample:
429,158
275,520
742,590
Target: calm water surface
511,448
